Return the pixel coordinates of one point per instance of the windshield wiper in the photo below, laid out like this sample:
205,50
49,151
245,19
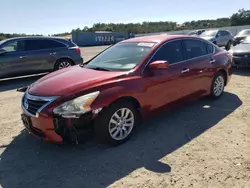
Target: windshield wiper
99,68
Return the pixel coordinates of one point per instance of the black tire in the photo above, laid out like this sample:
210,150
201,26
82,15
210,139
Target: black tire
228,46
102,122
213,93
59,64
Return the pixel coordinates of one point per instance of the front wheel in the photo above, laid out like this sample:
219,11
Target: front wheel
218,85
115,124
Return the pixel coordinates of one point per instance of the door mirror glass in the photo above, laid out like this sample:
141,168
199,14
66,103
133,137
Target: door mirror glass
156,65
2,51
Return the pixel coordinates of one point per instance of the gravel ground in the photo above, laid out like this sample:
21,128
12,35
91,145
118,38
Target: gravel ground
202,144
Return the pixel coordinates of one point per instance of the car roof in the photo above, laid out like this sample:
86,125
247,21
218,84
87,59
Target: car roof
244,29
35,37
158,38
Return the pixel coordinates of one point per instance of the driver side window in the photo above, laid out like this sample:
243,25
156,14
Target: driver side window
171,52
16,46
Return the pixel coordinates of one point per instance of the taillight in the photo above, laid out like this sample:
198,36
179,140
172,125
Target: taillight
78,50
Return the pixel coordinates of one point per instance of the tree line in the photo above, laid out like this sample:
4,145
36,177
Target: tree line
242,17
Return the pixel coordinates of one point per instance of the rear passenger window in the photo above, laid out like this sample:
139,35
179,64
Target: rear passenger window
49,44
210,48
171,52
41,44
194,48
34,44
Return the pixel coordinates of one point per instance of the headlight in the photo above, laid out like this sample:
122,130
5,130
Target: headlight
79,105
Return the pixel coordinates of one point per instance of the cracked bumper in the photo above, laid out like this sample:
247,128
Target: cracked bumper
42,127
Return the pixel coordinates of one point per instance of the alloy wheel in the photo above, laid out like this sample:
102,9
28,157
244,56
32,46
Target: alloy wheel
218,86
121,124
64,64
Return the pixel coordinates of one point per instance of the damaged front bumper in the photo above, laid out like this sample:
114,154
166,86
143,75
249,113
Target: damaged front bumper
58,129
51,127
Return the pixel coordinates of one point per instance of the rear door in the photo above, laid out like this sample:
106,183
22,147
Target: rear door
197,66
42,54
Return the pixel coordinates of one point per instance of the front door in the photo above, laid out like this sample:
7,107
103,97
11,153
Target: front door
13,61
165,86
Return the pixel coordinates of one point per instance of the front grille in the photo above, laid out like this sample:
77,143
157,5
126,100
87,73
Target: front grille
34,104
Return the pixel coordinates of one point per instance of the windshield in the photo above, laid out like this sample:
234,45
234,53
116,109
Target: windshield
244,32
2,41
210,33
192,33
246,41
121,57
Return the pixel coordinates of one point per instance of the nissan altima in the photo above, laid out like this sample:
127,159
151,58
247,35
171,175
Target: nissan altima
122,85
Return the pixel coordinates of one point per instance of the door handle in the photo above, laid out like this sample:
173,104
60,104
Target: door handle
185,70
212,61
53,53
21,57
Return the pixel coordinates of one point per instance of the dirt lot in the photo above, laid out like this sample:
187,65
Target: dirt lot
203,144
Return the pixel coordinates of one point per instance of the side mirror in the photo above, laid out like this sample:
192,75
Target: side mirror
2,51
156,65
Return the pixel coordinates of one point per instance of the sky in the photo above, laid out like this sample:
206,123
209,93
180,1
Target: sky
58,16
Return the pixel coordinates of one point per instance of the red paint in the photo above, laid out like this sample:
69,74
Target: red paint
153,88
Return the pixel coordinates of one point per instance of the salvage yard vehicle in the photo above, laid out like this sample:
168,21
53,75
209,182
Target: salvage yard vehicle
241,53
122,85
221,38
241,36
196,32
28,55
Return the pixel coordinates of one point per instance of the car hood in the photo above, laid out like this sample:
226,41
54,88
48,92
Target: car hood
241,48
241,36
70,80
208,38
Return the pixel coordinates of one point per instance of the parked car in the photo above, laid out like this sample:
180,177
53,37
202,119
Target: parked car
126,82
221,38
240,36
196,32
241,53
26,55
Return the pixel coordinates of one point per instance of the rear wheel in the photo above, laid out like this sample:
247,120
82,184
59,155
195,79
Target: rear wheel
63,63
115,124
218,85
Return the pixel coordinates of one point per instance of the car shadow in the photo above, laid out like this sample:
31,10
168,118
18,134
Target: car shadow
17,82
241,71
29,162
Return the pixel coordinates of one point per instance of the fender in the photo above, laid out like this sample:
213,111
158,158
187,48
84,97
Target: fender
110,95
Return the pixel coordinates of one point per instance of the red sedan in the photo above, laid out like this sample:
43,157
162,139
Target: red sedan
121,85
